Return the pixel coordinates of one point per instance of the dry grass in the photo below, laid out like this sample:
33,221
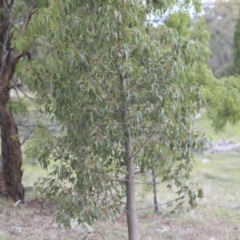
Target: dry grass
217,216
33,220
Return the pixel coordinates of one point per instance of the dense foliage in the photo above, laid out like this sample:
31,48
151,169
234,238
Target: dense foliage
111,80
126,93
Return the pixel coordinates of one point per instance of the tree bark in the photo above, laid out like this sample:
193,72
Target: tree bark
11,177
155,201
11,149
132,221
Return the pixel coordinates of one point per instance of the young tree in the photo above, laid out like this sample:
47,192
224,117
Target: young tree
115,86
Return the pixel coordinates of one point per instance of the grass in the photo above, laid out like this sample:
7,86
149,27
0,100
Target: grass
229,132
217,216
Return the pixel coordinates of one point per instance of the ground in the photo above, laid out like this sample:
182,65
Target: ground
33,221
217,216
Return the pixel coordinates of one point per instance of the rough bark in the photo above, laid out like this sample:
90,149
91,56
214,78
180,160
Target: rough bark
11,148
11,177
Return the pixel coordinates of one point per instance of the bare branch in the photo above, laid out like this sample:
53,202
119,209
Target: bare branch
16,93
25,23
28,17
15,21
160,204
26,137
144,143
11,4
148,183
20,124
26,95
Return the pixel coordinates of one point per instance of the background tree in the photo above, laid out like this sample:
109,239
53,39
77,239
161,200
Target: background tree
115,86
10,25
236,48
15,45
198,72
221,17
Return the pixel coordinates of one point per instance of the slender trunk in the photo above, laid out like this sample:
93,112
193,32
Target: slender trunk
132,221
155,201
131,198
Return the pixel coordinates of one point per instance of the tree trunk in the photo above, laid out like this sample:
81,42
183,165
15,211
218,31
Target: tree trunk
132,220
155,201
10,143
11,149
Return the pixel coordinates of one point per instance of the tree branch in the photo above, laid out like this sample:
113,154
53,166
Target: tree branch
11,4
23,30
144,143
25,94
160,204
28,17
26,137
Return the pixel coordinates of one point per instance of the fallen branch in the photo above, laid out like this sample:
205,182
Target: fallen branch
222,147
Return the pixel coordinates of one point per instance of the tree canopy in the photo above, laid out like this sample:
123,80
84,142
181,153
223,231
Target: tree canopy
126,97
126,94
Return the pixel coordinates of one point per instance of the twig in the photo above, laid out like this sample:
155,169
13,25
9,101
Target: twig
144,143
148,183
16,93
28,17
23,30
26,95
27,137
160,204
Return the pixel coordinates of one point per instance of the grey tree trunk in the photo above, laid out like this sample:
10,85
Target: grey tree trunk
132,221
155,201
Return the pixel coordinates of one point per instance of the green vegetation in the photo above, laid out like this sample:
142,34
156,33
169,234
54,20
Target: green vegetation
221,17
236,48
216,216
119,90
112,116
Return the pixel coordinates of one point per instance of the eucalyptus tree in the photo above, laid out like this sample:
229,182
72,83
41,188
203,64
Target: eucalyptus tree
114,84
14,20
192,27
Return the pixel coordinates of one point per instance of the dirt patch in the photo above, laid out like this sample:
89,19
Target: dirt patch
32,221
